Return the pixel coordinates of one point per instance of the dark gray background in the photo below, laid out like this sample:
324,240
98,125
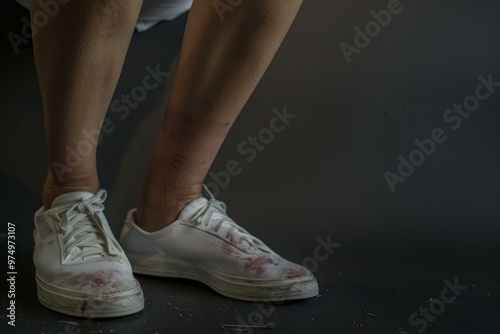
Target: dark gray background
322,175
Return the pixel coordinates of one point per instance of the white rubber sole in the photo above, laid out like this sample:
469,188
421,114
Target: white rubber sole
230,286
79,304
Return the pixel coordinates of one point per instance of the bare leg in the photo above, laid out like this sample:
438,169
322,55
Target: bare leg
221,64
79,56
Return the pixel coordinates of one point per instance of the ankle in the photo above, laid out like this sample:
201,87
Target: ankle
53,188
154,215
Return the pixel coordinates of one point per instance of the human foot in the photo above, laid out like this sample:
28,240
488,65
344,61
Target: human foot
206,245
81,270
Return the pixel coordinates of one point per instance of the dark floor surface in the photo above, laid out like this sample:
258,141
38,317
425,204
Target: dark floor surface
396,250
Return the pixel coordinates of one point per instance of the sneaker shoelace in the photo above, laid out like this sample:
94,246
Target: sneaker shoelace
84,235
215,212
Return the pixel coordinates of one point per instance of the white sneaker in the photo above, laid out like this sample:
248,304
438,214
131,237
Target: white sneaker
204,244
81,270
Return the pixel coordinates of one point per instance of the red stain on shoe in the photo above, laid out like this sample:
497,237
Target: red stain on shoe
294,273
229,250
95,279
257,264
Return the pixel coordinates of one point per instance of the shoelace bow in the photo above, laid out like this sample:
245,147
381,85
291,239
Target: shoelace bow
83,235
216,210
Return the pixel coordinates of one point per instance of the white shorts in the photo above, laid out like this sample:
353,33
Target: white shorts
152,12
155,11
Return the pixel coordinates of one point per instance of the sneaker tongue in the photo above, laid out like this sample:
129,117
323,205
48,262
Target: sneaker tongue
193,207
71,197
